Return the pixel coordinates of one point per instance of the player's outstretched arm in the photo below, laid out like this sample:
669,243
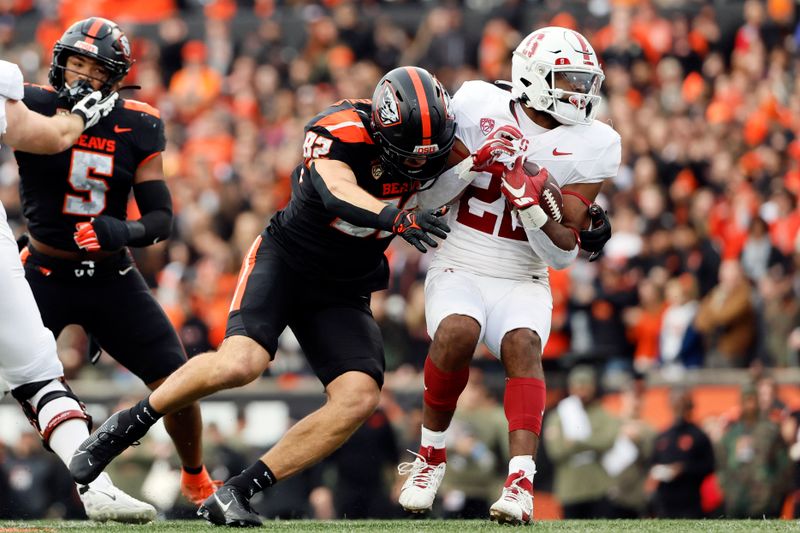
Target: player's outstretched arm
452,182
337,186
37,134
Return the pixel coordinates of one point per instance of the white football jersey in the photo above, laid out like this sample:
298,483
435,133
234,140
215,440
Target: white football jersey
11,88
486,238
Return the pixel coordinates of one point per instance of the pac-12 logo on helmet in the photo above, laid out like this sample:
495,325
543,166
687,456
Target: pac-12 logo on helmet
412,123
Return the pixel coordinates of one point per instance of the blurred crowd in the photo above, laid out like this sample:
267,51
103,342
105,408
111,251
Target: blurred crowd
703,269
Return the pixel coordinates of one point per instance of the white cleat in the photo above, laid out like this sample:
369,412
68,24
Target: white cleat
423,481
515,506
110,503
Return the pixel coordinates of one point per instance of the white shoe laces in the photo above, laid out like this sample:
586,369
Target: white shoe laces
516,494
421,473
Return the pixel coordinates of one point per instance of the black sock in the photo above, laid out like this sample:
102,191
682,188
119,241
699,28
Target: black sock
192,470
142,415
253,479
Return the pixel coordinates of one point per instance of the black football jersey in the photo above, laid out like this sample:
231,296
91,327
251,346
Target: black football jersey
93,177
314,240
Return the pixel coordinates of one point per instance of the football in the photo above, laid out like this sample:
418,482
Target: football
550,198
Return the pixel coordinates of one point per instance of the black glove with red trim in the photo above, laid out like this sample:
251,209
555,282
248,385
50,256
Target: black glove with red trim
594,239
414,226
102,233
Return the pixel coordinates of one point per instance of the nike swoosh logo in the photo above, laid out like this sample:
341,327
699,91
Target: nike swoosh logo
556,152
117,129
516,191
224,506
125,271
113,498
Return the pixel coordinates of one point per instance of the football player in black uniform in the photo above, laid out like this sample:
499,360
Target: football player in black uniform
313,269
77,262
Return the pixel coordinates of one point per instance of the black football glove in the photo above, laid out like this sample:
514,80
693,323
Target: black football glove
102,233
593,240
414,226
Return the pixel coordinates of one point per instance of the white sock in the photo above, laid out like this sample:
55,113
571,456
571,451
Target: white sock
432,438
102,482
524,463
68,435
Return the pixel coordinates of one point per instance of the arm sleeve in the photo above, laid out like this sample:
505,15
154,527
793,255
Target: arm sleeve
155,204
349,212
448,186
549,252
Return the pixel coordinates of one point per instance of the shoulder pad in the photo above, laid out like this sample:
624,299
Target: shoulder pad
141,107
11,81
344,125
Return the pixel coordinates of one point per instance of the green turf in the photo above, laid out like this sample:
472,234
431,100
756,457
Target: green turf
425,526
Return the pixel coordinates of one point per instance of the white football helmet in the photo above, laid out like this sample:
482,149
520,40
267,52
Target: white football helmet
555,70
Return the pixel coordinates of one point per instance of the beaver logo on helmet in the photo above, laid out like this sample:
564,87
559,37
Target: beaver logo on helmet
412,124
388,112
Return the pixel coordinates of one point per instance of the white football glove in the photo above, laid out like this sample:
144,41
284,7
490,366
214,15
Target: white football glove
93,107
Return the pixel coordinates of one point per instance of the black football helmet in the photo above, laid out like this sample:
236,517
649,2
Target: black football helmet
412,123
99,39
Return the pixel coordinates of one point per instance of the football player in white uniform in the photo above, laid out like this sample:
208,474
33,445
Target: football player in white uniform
29,365
489,280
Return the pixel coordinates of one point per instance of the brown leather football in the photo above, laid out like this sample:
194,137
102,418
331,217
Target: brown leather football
550,198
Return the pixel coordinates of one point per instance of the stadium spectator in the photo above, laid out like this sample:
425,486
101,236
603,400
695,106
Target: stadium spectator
680,346
577,434
753,466
682,459
726,319
628,461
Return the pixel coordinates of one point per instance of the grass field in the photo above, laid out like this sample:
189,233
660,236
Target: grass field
424,526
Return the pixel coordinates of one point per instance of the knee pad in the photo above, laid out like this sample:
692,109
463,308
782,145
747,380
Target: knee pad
47,404
524,403
442,389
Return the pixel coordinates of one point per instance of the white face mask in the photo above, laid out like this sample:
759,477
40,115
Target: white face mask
567,113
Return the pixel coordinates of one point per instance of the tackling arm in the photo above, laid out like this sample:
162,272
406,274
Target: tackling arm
337,186
37,134
449,186
31,132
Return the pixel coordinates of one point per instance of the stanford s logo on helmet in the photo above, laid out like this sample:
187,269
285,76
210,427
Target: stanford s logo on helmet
412,123
99,39
555,70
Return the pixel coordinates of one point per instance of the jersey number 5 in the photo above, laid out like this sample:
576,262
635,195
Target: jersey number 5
83,172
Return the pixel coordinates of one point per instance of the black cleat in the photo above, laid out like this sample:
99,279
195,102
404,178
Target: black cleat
110,440
229,507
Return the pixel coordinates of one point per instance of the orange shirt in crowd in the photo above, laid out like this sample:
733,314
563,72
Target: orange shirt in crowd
645,334
150,11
